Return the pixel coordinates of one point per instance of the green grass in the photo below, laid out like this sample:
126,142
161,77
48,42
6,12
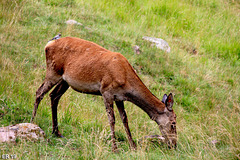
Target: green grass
206,85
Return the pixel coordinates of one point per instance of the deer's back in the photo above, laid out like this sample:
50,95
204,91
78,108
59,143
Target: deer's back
86,66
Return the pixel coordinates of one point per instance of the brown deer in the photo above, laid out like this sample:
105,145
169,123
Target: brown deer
92,69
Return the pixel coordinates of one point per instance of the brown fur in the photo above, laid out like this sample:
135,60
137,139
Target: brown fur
90,68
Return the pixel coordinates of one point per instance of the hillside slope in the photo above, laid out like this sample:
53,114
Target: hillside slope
202,71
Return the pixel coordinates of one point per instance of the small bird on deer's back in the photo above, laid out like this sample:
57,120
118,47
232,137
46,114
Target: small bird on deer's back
56,37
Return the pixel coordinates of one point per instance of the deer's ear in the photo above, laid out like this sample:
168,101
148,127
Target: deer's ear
164,98
169,102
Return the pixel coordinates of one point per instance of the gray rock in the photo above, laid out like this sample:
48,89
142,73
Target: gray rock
26,131
159,43
71,21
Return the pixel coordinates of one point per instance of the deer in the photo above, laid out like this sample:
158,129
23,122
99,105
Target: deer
88,68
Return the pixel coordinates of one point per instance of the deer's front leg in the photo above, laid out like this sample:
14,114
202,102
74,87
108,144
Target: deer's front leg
124,118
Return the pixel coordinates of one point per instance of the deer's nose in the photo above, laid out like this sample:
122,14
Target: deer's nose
173,125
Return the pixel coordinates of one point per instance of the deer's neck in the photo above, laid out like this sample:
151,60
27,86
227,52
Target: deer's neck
142,97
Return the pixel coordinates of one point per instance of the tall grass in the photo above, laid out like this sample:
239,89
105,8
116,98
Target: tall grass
205,83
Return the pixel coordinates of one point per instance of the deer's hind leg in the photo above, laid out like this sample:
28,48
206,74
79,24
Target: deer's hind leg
47,85
55,95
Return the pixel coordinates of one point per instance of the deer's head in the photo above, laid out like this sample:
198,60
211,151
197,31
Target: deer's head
167,122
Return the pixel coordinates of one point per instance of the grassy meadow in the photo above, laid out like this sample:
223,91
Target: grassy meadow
202,71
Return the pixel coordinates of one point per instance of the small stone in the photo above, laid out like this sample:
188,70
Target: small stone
194,51
136,49
88,28
214,142
71,21
155,136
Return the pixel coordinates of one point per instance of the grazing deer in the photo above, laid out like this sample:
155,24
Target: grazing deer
90,68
